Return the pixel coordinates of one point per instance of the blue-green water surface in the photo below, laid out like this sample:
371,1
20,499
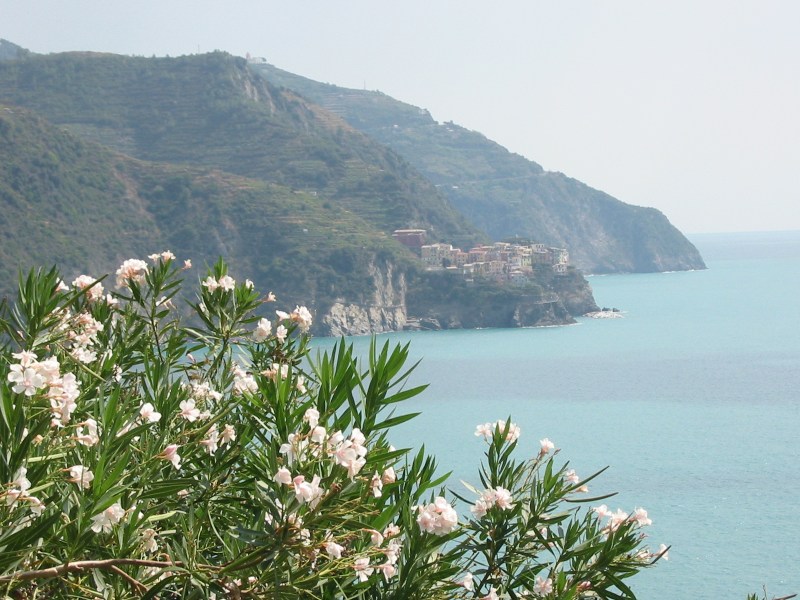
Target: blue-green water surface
691,399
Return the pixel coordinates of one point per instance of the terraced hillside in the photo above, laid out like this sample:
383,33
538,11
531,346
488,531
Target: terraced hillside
196,154
210,110
504,194
74,203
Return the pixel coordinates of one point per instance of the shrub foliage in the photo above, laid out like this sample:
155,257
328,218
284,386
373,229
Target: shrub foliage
155,452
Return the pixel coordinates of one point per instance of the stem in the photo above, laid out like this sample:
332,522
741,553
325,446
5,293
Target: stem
153,326
111,564
134,583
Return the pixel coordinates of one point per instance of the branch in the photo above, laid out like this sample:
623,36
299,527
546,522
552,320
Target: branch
132,581
111,564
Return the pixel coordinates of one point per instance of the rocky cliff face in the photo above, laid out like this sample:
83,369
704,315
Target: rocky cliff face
541,314
501,310
385,312
439,301
447,301
574,293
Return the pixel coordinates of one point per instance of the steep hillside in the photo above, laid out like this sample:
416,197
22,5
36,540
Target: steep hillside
210,110
200,156
72,203
505,194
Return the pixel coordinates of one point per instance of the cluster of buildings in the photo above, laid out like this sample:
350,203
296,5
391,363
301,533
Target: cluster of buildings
502,261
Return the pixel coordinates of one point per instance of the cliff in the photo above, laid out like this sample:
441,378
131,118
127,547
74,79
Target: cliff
447,301
386,310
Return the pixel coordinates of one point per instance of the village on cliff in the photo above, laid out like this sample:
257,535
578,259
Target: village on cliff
502,261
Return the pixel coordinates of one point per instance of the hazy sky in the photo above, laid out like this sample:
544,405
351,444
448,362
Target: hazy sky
692,107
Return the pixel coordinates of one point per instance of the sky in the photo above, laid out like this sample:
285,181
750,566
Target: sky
688,106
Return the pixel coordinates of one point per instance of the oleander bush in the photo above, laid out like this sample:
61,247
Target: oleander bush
154,446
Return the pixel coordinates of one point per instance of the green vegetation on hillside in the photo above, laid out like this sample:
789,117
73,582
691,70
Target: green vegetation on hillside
199,156
505,194
210,110
73,203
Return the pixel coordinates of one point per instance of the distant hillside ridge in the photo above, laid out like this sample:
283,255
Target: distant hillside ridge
211,110
10,51
504,194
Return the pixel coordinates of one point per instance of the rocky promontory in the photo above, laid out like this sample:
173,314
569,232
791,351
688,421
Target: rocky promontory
424,300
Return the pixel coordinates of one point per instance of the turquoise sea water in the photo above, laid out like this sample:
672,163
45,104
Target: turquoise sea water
691,399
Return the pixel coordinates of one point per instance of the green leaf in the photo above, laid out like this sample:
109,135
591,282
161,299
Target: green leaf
164,516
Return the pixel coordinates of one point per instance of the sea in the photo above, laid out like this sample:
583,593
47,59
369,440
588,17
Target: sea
691,400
